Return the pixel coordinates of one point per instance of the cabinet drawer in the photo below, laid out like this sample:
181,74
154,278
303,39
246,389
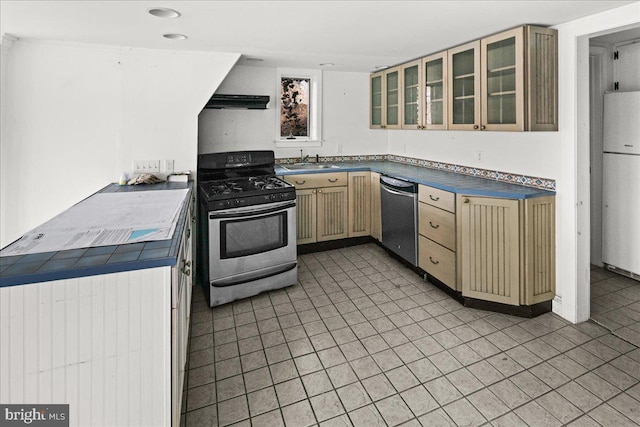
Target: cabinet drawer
437,260
438,225
438,198
318,180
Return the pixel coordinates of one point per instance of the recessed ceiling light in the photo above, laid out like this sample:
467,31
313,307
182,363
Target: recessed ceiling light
173,36
327,64
254,59
163,12
380,67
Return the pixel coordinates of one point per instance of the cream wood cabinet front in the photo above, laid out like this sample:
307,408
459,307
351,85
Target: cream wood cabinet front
507,81
503,82
507,249
322,206
385,99
437,234
376,220
359,204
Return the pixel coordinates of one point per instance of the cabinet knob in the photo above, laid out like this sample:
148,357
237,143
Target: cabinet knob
483,127
475,127
300,183
319,191
433,261
466,200
434,226
435,199
333,180
313,191
186,263
186,271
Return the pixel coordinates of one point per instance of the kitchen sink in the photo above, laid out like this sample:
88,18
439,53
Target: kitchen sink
310,166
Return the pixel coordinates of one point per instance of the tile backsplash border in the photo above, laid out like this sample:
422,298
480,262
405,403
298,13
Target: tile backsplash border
511,178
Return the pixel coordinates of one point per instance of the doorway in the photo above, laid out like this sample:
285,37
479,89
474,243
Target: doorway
614,299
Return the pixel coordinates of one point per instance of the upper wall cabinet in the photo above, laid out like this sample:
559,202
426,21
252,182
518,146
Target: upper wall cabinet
434,99
411,74
506,82
384,112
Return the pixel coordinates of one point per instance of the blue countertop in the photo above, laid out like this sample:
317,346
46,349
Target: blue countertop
444,180
67,264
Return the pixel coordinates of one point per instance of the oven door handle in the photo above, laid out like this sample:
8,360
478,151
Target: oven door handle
252,210
238,279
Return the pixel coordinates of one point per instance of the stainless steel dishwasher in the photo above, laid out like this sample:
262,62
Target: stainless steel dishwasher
399,200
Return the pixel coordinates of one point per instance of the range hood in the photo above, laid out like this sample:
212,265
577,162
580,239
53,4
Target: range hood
245,102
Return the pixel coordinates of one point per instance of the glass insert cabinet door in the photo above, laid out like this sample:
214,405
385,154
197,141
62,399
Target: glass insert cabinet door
434,101
502,79
376,101
411,104
392,98
464,86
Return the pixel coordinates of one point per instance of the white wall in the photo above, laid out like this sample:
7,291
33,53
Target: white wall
345,116
78,115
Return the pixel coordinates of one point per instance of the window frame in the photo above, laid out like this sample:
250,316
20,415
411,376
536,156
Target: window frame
315,107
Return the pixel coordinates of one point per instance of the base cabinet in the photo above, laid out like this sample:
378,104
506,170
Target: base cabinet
322,206
359,204
437,234
507,249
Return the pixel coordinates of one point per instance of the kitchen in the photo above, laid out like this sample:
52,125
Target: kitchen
129,118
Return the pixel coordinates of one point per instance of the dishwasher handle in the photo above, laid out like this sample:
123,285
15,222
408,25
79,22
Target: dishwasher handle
397,193
398,184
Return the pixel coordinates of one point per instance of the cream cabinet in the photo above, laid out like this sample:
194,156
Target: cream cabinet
322,206
385,101
376,220
507,81
434,97
437,234
507,249
504,82
359,204
411,83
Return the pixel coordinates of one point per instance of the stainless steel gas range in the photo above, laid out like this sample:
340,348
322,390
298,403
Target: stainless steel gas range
247,226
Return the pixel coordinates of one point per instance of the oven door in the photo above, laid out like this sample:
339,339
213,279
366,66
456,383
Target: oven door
251,243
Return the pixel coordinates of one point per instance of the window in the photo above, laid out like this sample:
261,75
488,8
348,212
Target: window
299,108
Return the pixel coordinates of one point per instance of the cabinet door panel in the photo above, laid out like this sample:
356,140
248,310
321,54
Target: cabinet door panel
306,216
464,86
503,81
377,101
332,213
490,249
359,204
392,98
412,99
434,98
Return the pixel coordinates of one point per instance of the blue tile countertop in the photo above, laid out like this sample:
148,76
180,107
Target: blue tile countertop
67,264
444,180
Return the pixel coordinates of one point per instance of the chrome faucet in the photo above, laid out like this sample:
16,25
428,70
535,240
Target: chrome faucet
303,159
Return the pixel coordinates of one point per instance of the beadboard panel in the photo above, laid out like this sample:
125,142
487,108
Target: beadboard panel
97,343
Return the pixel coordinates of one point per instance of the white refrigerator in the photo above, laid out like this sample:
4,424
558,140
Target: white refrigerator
621,182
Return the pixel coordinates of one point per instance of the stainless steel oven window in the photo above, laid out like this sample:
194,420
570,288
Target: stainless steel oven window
250,236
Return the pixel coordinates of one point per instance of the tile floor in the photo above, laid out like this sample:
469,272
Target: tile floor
363,341
615,303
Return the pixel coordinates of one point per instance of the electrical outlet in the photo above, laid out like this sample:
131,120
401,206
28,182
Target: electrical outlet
146,166
169,166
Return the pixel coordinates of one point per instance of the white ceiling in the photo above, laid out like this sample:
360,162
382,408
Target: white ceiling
355,35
